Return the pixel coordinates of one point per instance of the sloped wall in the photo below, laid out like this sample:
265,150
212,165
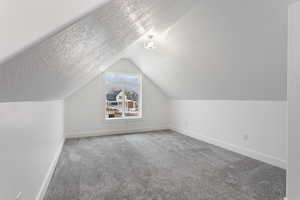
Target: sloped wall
26,22
31,135
85,109
59,65
229,50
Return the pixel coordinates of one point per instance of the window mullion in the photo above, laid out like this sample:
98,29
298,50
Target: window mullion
123,102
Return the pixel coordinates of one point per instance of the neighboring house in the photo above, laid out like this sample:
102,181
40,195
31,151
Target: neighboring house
114,100
113,95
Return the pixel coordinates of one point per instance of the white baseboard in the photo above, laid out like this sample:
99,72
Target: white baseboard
241,150
115,132
47,179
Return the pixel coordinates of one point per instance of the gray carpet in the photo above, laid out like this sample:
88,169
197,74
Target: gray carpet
160,166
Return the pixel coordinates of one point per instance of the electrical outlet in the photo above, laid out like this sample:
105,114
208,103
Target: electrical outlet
246,137
18,197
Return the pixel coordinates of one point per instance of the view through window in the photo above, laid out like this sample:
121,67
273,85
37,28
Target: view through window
122,95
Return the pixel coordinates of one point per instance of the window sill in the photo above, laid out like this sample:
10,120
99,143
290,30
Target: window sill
124,118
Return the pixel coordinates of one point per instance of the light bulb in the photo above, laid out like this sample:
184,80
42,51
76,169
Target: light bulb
150,44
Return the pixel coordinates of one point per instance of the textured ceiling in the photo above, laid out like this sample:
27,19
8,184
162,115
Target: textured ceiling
61,64
24,23
233,50
292,1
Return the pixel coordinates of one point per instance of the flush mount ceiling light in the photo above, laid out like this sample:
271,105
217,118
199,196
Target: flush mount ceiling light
150,43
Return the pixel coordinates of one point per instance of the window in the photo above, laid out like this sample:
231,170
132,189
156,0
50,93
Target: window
123,95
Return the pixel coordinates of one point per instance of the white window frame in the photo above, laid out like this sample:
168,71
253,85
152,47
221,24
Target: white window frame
140,100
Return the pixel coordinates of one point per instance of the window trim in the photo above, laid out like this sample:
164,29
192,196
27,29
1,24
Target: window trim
140,103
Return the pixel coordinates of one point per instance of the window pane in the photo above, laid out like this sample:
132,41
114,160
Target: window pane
122,95
131,101
114,101
118,77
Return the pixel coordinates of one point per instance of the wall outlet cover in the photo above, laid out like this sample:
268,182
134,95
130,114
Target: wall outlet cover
18,197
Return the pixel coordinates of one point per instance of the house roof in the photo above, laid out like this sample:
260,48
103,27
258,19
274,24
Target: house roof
112,95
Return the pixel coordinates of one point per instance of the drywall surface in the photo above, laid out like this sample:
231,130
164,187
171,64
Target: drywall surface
31,132
24,22
68,60
84,110
254,128
229,49
294,103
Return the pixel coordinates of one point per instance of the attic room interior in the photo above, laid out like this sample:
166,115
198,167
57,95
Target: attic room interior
150,100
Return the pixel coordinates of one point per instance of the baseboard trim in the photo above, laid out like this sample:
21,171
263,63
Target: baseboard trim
241,150
47,179
109,133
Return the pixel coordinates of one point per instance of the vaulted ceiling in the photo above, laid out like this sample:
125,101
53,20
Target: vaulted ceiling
60,64
232,50
23,23
207,49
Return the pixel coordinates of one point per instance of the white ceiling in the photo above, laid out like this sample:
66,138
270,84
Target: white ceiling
229,49
292,1
25,22
218,50
54,67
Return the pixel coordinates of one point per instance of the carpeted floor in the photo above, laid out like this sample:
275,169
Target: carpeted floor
160,166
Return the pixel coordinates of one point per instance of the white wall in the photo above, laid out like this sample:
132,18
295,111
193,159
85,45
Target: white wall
84,110
294,103
25,22
30,136
226,123
230,49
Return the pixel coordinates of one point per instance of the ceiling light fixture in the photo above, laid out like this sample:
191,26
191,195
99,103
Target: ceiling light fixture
150,43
